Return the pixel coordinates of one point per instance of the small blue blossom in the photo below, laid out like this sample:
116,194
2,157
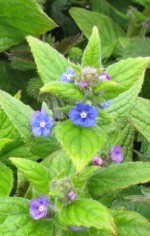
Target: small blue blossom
105,105
116,154
66,77
41,124
39,207
83,115
74,228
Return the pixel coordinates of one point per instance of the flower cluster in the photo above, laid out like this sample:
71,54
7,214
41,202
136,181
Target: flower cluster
83,115
41,124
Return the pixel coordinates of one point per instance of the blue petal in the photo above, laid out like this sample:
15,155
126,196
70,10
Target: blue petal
45,132
70,71
36,131
84,122
49,122
93,112
35,118
73,114
44,201
105,105
80,107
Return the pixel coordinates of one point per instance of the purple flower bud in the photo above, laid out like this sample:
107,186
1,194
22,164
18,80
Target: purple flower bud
74,228
72,195
97,161
83,115
105,105
83,84
39,208
41,124
104,77
66,77
147,23
116,154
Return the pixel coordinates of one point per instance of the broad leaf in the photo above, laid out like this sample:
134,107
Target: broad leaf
108,29
50,63
119,176
3,142
17,22
88,213
92,53
64,90
131,223
37,174
126,72
6,180
140,117
80,143
20,115
15,219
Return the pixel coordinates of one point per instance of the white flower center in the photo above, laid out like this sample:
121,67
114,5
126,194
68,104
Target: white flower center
42,124
68,76
83,114
41,208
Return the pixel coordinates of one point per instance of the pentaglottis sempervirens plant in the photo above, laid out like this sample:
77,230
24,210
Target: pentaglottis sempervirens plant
86,156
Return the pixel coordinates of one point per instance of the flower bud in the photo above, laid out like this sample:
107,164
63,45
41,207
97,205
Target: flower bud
116,154
97,161
104,77
72,195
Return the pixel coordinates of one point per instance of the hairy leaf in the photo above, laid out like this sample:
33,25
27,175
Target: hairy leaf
88,213
50,63
34,172
119,176
17,22
80,143
6,179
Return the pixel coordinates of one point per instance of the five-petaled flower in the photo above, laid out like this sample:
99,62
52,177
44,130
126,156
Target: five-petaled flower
116,154
67,76
39,207
74,228
104,77
105,105
41,124
83,115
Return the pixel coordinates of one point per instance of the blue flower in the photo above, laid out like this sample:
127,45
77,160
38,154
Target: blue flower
74,228
105,105
66,77
83,115
41,124
39,207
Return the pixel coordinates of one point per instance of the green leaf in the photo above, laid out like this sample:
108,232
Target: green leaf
6,178
144,3
126,72
3,142
131,223
17,22
140,117
92,53
133,47
16,221
119,176
126,141
37,174
80,143
20,115
88,213
108,29
50,63
64,90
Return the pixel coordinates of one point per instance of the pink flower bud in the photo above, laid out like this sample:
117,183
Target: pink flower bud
97,161
72,195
